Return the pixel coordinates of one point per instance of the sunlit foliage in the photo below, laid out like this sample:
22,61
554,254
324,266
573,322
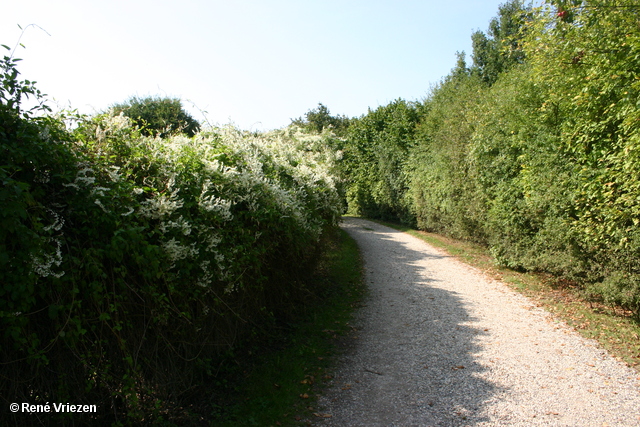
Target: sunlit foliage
531,150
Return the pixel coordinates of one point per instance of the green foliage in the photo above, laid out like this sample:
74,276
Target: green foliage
443,198
158,116
590,62
525,178
533,150
134,258
375,156
131,265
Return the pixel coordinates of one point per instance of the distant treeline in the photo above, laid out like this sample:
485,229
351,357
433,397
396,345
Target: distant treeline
532,149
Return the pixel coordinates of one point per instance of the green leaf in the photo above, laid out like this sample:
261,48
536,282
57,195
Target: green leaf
53,311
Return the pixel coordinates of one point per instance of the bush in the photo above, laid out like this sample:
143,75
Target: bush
376,152
533,151
443,197
133,265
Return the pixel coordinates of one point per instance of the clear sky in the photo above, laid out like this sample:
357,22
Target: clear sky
254,63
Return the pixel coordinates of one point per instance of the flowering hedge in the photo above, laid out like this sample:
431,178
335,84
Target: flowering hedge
130,264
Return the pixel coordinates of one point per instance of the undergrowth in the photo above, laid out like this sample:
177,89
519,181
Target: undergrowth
278,382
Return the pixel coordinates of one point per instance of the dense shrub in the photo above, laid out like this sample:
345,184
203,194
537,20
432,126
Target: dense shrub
587,54
525,178
376,152
533,150
443,197
132,264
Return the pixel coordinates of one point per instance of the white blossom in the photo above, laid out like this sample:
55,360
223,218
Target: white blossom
180,224
99,203
58,221
161,205
176,251
44,263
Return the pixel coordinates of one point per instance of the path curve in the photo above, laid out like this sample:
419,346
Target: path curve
440,344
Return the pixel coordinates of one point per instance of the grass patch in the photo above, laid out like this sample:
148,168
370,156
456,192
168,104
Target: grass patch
614,328
280,385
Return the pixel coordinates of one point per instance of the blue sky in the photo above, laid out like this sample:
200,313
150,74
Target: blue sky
253,63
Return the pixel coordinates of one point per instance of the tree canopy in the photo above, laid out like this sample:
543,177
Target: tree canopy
160,116
500,48
318,119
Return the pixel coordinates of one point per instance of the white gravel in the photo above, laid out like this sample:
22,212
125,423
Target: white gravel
440,344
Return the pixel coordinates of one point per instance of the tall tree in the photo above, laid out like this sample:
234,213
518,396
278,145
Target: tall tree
158,116
501,48
320,118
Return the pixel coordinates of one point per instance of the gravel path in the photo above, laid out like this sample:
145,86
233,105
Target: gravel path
440,344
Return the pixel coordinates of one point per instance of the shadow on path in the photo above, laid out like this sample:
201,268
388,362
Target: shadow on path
412,361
